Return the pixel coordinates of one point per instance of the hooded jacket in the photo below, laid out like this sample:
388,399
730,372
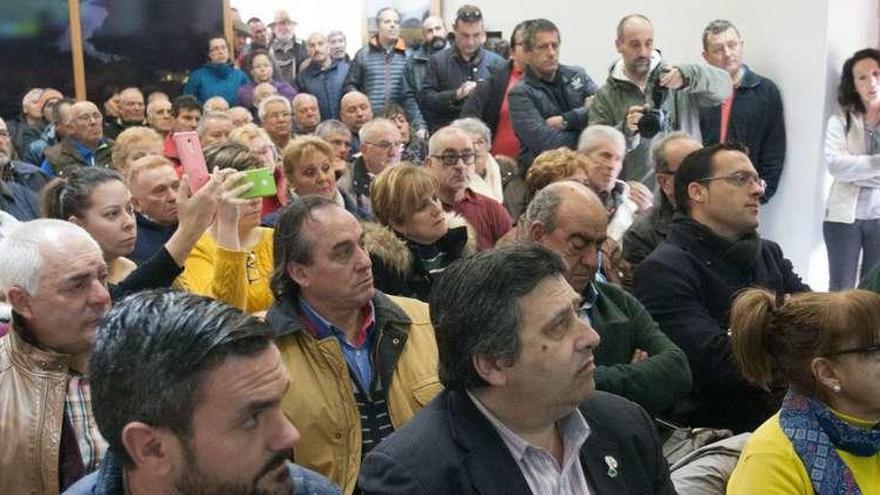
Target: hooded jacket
397,269
704,86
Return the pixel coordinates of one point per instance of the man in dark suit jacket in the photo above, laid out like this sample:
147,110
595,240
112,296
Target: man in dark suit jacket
516,362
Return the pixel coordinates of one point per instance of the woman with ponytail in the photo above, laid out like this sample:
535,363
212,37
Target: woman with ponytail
96,199
826,437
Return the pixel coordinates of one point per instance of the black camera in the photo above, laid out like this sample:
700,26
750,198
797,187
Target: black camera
654,120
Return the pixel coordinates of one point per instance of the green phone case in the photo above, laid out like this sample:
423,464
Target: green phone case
263,181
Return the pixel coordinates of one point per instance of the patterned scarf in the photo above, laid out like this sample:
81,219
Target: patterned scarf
815,432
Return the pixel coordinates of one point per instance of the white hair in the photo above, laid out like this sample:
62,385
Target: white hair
593,134
372,126
211,116
24,248
473,125
273,99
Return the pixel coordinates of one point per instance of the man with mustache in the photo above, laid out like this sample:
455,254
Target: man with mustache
520,414
54,276
689,282
627,95
362,363
451,159
187,391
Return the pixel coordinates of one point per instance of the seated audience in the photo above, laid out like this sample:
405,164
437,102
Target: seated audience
380,148
519,413
636,360
215,104
824,439
451,159
16,199
85,146
154,187
487,175
53,275
323,77
187,114
337,135
58,127
240,116
29,124
688,283
159,116
306,114
214,128
258,65
415,148
649,230
416,240
355,111
131,112
232,261
218,77
171,375
852,152
363,363
109,101
133,143
276,118
97,200
256,139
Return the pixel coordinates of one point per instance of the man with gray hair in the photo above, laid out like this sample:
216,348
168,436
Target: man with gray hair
159,116
486,179
649,230
215,104
276,118
636,360
323,76
451,159
306,114
752,115
131,112
604,147
54,276
638,78
214,128
380,148
16,198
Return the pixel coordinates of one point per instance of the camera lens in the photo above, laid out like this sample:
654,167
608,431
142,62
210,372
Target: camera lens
650,124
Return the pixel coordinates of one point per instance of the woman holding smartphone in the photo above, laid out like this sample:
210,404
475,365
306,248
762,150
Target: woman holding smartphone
233,260
96,199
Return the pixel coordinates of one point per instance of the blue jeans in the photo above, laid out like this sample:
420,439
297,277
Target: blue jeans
845,242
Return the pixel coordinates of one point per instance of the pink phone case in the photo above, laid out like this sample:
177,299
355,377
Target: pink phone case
189,149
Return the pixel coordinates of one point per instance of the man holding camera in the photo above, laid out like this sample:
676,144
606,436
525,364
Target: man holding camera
644,96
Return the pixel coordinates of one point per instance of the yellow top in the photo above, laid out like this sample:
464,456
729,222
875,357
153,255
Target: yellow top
769,464
213,271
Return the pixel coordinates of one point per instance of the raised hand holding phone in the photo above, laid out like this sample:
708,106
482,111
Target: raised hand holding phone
189,149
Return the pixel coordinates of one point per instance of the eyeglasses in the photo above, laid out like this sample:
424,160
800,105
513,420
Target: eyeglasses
739,179
386,145
469,14
859,350
451,159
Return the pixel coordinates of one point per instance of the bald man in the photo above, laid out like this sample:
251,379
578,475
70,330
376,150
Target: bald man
354,111
306,114
323,77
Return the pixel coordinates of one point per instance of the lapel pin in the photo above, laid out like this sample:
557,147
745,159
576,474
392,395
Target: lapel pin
612,466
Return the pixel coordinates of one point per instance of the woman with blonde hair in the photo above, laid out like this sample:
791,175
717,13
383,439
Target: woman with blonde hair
259,142
826,436
133,143
416,240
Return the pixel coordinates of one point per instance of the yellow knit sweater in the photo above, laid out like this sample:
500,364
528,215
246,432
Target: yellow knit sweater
213,271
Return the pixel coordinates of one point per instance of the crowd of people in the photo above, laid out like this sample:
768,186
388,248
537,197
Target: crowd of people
479,271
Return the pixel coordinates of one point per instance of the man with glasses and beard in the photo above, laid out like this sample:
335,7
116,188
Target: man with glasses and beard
191,402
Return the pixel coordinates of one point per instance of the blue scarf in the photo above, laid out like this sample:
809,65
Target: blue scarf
815,432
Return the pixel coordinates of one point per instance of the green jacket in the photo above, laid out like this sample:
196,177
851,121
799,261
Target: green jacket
658,382
705,86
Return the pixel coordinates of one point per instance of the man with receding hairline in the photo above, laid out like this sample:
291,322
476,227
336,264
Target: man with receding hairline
131,112
85,146
434,35
323,77
627,95
354,111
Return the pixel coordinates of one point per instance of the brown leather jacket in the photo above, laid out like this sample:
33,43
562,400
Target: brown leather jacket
33,386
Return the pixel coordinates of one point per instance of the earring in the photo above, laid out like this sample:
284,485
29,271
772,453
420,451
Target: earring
836,388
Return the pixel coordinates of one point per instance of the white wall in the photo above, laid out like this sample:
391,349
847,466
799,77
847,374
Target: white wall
800,44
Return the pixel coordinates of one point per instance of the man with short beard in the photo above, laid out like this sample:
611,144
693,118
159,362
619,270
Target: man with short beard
434,33
287,51
190,402
336,41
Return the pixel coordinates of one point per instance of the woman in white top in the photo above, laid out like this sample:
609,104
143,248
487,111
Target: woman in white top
852,151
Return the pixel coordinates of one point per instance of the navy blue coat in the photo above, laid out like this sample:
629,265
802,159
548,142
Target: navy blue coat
449,447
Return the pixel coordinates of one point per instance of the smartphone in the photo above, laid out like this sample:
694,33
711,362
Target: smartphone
263,181
189,149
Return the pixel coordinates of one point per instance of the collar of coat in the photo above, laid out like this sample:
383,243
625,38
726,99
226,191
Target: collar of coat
399,45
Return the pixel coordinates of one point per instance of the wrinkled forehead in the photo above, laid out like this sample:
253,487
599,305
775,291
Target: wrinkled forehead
82,107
